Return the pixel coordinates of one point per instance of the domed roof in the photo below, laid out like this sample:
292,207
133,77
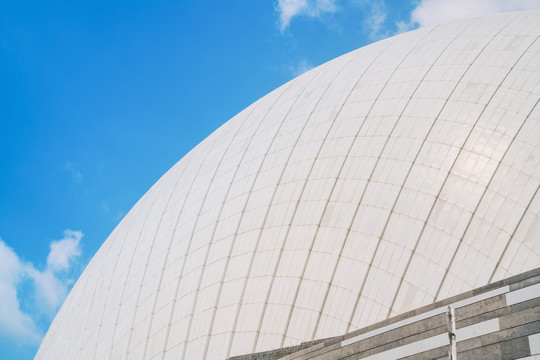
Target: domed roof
391,177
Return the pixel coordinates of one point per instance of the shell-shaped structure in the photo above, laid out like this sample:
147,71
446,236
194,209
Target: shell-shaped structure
391,177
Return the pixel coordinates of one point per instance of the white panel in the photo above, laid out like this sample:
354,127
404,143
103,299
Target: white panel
524,294
534,344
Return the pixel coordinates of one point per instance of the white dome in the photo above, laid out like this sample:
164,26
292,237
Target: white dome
391,177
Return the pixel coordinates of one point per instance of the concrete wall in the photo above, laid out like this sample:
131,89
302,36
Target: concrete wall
498,321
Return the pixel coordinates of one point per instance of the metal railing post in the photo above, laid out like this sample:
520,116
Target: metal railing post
451,327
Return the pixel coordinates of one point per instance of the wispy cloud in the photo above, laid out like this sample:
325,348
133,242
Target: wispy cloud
288,9
376,19
403,26
76,175
115,215
432,12
44,289
300,68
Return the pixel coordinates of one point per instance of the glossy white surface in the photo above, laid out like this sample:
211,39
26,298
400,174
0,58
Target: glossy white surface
399,174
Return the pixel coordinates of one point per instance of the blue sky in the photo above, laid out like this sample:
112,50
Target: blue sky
99,99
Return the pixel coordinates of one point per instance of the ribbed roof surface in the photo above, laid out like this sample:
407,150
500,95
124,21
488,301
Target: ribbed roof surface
396,175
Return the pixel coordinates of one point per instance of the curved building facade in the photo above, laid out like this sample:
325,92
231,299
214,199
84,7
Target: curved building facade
389,178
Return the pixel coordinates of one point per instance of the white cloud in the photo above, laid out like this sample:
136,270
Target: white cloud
374,21
63,251
14,323
288,9
432,12
48,287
